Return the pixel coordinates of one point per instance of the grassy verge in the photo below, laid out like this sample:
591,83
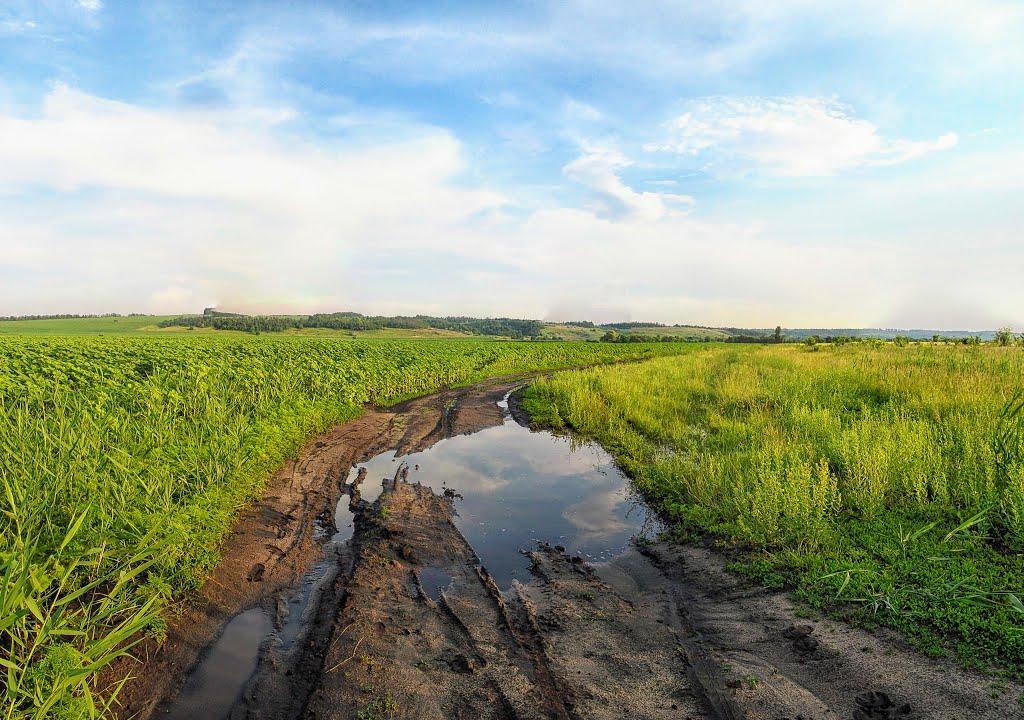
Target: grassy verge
124,460
882,483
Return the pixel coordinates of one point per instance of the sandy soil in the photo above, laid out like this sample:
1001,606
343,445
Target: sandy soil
662,631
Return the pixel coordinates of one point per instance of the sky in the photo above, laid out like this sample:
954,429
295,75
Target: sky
801,162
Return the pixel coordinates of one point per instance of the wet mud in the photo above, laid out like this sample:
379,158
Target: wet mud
348,592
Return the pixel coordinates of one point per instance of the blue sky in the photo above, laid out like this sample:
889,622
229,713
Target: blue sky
807,163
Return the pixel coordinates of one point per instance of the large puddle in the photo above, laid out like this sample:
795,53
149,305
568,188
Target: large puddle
513,488
517,487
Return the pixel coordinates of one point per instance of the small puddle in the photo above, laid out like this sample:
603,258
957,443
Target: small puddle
216,684
299,603
435,581
517,487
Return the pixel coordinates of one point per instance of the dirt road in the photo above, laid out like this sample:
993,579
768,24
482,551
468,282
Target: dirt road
402,619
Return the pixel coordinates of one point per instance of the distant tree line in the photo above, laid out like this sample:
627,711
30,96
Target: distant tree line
499,327
747,336
244,323
631,325
614,336
1004,336
67,316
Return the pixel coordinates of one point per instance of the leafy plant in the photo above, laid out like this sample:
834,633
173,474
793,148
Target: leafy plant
124,460
882,480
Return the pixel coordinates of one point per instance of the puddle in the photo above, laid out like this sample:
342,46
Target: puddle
435,581
512,488
518,487
344,521
212,688
299,603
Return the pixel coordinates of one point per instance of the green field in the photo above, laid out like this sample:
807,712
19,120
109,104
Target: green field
126,325
561,331
149,325
123,461
882,483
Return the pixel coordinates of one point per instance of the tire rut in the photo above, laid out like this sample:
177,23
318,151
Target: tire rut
403,620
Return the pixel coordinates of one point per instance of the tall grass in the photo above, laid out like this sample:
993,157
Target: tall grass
821,459
123,462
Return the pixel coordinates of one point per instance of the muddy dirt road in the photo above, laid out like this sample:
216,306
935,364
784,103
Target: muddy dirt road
348,592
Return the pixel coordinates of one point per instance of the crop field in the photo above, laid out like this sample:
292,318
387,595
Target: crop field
882,483
124,325
123,461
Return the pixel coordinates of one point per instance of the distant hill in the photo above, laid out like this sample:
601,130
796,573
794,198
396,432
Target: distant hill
590,331
358,325
496,327
867,333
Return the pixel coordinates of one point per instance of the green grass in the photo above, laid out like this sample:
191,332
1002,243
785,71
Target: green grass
149,325
123,461
380,708
83,326
878,482
558,331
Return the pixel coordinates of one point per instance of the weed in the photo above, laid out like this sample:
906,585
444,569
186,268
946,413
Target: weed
380,708
883,483
124,460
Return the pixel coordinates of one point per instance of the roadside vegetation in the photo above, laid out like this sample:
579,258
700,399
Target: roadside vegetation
124,460
880,481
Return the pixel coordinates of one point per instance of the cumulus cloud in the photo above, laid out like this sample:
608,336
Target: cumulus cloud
787,136
113,206
240,207
597,169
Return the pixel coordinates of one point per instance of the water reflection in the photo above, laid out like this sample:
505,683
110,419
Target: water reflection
212,689
435,581
519,487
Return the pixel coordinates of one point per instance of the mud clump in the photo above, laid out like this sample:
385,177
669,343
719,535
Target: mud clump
462,664
800,635
876,705
408,553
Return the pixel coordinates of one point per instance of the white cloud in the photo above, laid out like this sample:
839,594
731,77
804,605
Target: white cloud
246,212
16,27
598,168
504,99
574,111
82,142
91,5
788,136
111,206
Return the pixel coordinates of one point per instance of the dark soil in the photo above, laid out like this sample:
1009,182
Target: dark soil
407,623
